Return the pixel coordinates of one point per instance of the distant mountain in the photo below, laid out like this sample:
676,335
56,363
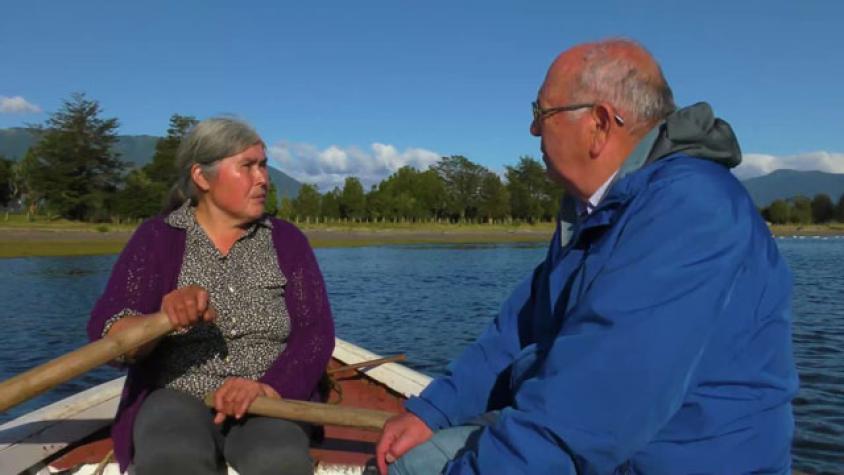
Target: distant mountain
15,142
784,184
135,149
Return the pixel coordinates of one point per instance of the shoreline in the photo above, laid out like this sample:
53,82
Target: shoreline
23,242
45,241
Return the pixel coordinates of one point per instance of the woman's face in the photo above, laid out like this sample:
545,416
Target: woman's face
238,189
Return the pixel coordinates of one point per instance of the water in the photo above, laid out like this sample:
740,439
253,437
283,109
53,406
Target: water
429,302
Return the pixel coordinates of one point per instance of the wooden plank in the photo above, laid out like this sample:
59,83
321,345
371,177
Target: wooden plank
33,437
397,377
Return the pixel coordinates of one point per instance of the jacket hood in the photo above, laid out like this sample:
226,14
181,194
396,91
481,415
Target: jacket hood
695,131
692,131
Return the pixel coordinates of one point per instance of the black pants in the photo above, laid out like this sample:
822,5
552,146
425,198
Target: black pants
175,433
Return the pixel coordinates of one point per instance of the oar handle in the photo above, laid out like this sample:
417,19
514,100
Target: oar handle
368,364
31,383
316,413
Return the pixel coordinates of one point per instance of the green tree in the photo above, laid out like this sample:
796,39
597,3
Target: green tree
777,212
462,179
286,209
271,203
494,200
306,205
410,194
529,187
839,209
823,210
376,208
431,193
352,199
25,171
330,204
551,199
7,179
139,197
73,167
162,168
801,210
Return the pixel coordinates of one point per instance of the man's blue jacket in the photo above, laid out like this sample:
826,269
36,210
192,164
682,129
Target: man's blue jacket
655,338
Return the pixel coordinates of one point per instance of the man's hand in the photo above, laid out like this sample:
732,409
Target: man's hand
235,396
401,433
188,306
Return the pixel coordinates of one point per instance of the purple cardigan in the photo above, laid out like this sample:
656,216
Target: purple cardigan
148,268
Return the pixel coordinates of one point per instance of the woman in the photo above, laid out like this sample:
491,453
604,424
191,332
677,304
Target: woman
248,301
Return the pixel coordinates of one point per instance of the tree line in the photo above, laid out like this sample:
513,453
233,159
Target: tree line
72,171
802,210
455,189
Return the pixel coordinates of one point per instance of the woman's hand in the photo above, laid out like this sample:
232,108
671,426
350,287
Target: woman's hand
235,396
184,307
188,306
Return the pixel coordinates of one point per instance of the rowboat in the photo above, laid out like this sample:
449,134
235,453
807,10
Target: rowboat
71,436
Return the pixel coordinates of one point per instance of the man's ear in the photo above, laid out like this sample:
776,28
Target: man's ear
199,178
602,119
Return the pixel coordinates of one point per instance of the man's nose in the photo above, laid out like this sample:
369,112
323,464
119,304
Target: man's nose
535,128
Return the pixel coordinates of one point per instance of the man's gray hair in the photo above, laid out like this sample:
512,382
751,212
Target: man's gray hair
205,145
645,97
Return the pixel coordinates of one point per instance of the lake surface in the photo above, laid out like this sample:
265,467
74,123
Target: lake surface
429,302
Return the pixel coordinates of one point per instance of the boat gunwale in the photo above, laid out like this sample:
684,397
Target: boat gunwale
97,406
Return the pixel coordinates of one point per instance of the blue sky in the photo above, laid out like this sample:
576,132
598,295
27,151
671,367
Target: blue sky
339,88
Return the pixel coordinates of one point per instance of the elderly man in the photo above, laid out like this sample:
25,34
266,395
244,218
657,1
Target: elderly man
655,337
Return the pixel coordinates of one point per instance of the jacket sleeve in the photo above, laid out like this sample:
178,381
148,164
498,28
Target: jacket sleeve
622,363
297,370
466,390
134,283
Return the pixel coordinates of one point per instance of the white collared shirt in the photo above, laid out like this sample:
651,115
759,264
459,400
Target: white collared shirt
596,197
585,208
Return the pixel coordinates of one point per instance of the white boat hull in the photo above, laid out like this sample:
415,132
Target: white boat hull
27,442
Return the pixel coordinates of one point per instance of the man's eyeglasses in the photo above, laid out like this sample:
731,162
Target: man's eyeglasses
539,113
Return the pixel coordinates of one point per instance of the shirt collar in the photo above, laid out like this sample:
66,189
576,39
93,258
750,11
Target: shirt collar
637,158
184,217
586,208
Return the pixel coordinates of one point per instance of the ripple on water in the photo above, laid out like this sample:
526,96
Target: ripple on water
429,302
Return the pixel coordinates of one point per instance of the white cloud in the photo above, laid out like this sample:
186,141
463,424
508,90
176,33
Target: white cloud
329,167
17,105
757,164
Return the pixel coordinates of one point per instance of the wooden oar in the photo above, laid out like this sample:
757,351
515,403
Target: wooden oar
31,383
27,385
368,364
316,413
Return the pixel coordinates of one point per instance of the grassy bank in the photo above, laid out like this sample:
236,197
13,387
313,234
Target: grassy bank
10,221
20,237
23,238
785,230
60,248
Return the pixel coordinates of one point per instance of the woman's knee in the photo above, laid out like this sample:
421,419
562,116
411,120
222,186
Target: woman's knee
287,460
264,445
166,454
173,433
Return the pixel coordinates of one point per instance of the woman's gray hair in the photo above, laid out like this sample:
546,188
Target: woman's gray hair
644,96
205,145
